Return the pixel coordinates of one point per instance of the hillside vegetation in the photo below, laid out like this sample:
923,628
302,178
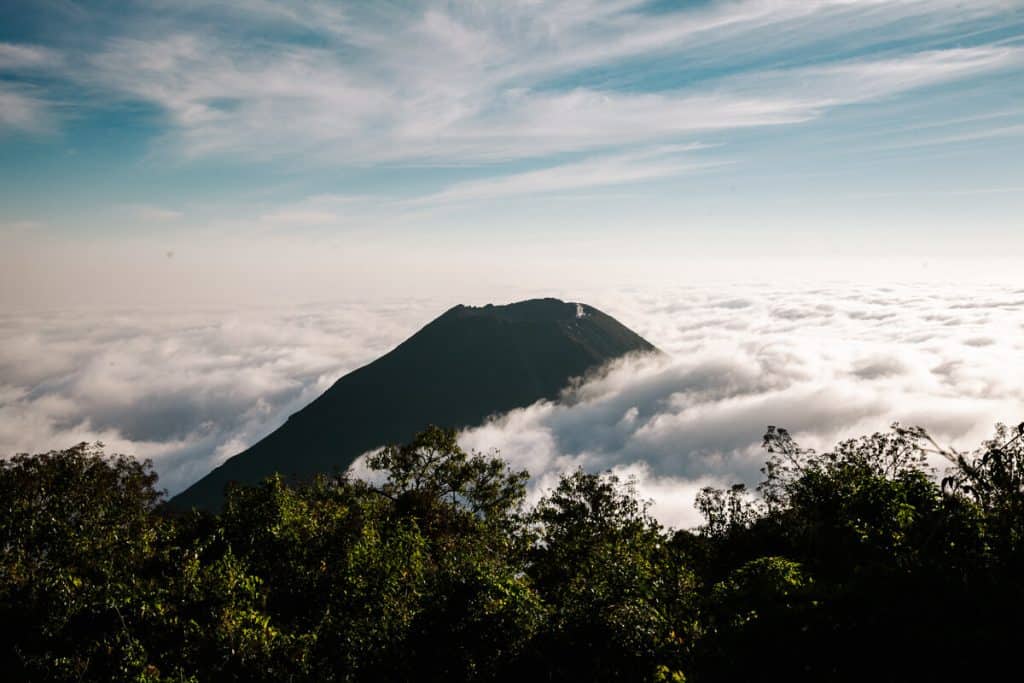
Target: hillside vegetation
856,564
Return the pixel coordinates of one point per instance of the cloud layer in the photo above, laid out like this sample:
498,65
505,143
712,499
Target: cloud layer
189,390
827,364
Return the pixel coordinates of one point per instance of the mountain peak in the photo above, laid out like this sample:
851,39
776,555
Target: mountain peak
467,364
535,310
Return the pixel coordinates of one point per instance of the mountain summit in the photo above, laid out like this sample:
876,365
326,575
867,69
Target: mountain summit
467,364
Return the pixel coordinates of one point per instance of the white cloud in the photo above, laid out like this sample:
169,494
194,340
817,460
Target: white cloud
828,365
192,389
18,57
466,83
862,80
302,101
23,107
187,390
23,110
596,171
1012,131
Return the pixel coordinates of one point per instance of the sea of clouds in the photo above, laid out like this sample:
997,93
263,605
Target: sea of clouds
189,390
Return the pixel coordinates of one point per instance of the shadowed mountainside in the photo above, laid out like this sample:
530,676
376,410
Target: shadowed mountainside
469,363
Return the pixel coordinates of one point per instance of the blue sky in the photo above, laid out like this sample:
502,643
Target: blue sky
232,150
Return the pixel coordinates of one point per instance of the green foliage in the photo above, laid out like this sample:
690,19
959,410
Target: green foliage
434,481
855,556
76,531
601,566
844,560
992,479
478,611
725,511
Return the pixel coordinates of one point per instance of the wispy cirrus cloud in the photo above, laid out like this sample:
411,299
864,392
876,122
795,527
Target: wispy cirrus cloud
24,107
24,110
17,57
304,100
461,83
595,171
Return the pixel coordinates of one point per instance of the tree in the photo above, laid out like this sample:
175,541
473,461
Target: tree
601,566
432,479
76,530
478,610
992,478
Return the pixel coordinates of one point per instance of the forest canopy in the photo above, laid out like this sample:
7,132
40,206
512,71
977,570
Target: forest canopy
860,563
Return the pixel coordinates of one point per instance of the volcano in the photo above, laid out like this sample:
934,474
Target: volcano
468,364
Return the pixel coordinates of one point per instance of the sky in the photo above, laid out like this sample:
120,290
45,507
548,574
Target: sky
158,153
210,211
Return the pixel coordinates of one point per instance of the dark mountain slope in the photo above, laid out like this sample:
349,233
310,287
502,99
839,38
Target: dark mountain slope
465,365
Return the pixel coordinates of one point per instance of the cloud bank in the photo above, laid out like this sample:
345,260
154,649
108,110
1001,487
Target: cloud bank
186,390
828,365
190,390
